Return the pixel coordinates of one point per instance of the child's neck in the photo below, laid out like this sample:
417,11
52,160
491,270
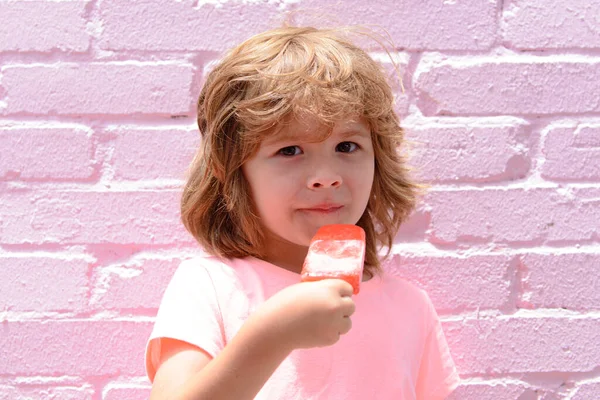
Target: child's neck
284,254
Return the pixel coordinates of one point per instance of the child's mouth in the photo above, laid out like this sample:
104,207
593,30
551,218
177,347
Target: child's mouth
328,209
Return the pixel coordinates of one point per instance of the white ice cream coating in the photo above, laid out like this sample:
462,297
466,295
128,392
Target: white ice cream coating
331,257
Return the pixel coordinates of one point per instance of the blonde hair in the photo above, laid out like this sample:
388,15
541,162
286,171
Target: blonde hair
263,81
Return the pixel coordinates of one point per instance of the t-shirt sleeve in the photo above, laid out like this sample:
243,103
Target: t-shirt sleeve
190,312
437,373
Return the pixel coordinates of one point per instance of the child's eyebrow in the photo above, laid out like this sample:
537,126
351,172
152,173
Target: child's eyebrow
283,137
358,131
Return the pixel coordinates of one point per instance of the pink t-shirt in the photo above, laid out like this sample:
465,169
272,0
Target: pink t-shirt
395,350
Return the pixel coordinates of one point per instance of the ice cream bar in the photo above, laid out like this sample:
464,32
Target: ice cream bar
336,251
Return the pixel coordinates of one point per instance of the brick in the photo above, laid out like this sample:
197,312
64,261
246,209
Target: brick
479,151
521,86
136,284
514,215
79,217
74,348
409,23
491,391
553,24
587,391
562,280
43,26
52,393
457,284
118,88
185,27
499,390
572,153
524,345
59,152
30,283
414,228
156,153
124,393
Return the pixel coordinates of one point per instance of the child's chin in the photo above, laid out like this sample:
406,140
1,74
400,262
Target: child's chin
298,239
303,241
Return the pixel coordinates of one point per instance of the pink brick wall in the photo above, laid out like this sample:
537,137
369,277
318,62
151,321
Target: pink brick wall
502,104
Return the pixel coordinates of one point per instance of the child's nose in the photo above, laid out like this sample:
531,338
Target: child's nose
324,178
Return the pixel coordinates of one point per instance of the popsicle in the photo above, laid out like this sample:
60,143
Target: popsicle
336,251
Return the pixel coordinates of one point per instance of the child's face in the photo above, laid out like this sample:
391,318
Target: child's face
298,184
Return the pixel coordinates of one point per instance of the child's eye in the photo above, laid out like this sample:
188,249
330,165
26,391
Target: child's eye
289,151
347,147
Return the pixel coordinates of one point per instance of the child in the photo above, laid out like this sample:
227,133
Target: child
298,132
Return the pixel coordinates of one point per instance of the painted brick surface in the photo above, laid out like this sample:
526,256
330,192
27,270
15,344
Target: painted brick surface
572,153
587,391
184,26
541,215
480,152
128,87
459,25
53,152
500,104
554,24
142,153
44,284
493,391
457,284
138,284
78,217
511,85
43,26
76,347
51,393
127,393
561,280
543,344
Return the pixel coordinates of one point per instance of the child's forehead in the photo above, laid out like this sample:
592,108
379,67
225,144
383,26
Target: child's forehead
309,127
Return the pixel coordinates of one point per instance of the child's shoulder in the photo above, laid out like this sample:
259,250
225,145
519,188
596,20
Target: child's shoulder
205,263
408,291
221,271
197,264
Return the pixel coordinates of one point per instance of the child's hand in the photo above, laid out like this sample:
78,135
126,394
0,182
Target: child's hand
310,314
